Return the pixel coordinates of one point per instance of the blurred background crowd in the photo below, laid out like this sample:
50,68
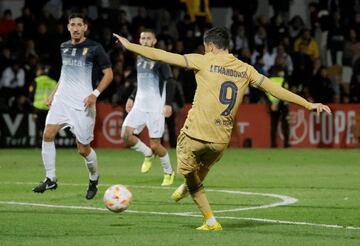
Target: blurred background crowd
319,60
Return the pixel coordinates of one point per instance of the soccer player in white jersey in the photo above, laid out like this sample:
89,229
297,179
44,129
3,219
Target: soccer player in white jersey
72,103
149,109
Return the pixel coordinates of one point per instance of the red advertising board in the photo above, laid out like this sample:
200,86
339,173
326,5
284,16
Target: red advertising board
107,133
307,130
252,127
335,130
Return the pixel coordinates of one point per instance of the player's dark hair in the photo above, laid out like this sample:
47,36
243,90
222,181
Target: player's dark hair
149,30
219,36
78,15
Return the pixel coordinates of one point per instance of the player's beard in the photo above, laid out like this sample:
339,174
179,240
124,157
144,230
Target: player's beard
77,37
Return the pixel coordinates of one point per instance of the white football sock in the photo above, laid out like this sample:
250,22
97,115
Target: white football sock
165,162
48,154
141,147
182,189
91,163
211,221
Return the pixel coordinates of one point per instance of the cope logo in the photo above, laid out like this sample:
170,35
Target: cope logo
112,127
298,127
324,129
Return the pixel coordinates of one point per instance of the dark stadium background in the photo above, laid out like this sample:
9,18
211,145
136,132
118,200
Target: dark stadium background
266,34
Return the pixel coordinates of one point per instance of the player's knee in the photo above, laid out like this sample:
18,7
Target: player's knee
81,152
193,188
48,136
193,183
203,171
154,145
127,135
84,150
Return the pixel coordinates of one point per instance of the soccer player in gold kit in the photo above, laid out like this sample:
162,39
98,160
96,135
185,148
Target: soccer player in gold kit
221,82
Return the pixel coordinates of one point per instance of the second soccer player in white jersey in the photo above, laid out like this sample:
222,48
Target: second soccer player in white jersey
148,109
72,104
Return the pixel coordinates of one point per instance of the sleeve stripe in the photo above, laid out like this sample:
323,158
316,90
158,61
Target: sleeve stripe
187,62
259,82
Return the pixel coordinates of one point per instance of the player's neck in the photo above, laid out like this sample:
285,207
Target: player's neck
78,41
219,51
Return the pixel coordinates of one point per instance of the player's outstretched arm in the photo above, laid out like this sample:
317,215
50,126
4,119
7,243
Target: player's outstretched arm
152,53
286,95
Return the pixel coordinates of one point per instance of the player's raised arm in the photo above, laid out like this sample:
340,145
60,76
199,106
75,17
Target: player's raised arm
153,53
286,95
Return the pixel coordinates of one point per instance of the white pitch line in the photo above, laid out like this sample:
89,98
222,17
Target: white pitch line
290,222
183,215
286,200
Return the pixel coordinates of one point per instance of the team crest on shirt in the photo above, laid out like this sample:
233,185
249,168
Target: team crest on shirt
85,51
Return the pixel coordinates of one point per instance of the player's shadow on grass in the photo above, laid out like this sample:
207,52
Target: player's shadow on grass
244,224
237,205
158,204
239,225
122,225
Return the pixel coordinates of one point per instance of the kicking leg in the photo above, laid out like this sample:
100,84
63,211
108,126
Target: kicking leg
189,152
197,193
182,191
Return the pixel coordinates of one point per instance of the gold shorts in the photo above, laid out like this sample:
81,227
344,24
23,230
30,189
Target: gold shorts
192,153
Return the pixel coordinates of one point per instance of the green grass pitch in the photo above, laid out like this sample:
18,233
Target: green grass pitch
263,197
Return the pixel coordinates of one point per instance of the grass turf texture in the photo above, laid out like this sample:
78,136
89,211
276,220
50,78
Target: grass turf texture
325,182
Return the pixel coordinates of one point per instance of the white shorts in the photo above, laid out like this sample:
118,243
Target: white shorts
81,122
154,121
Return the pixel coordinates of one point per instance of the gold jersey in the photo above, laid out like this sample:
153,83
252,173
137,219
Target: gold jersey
221,83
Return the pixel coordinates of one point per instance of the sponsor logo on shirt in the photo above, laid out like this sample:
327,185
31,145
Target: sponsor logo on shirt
219,122
73,62
85,51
